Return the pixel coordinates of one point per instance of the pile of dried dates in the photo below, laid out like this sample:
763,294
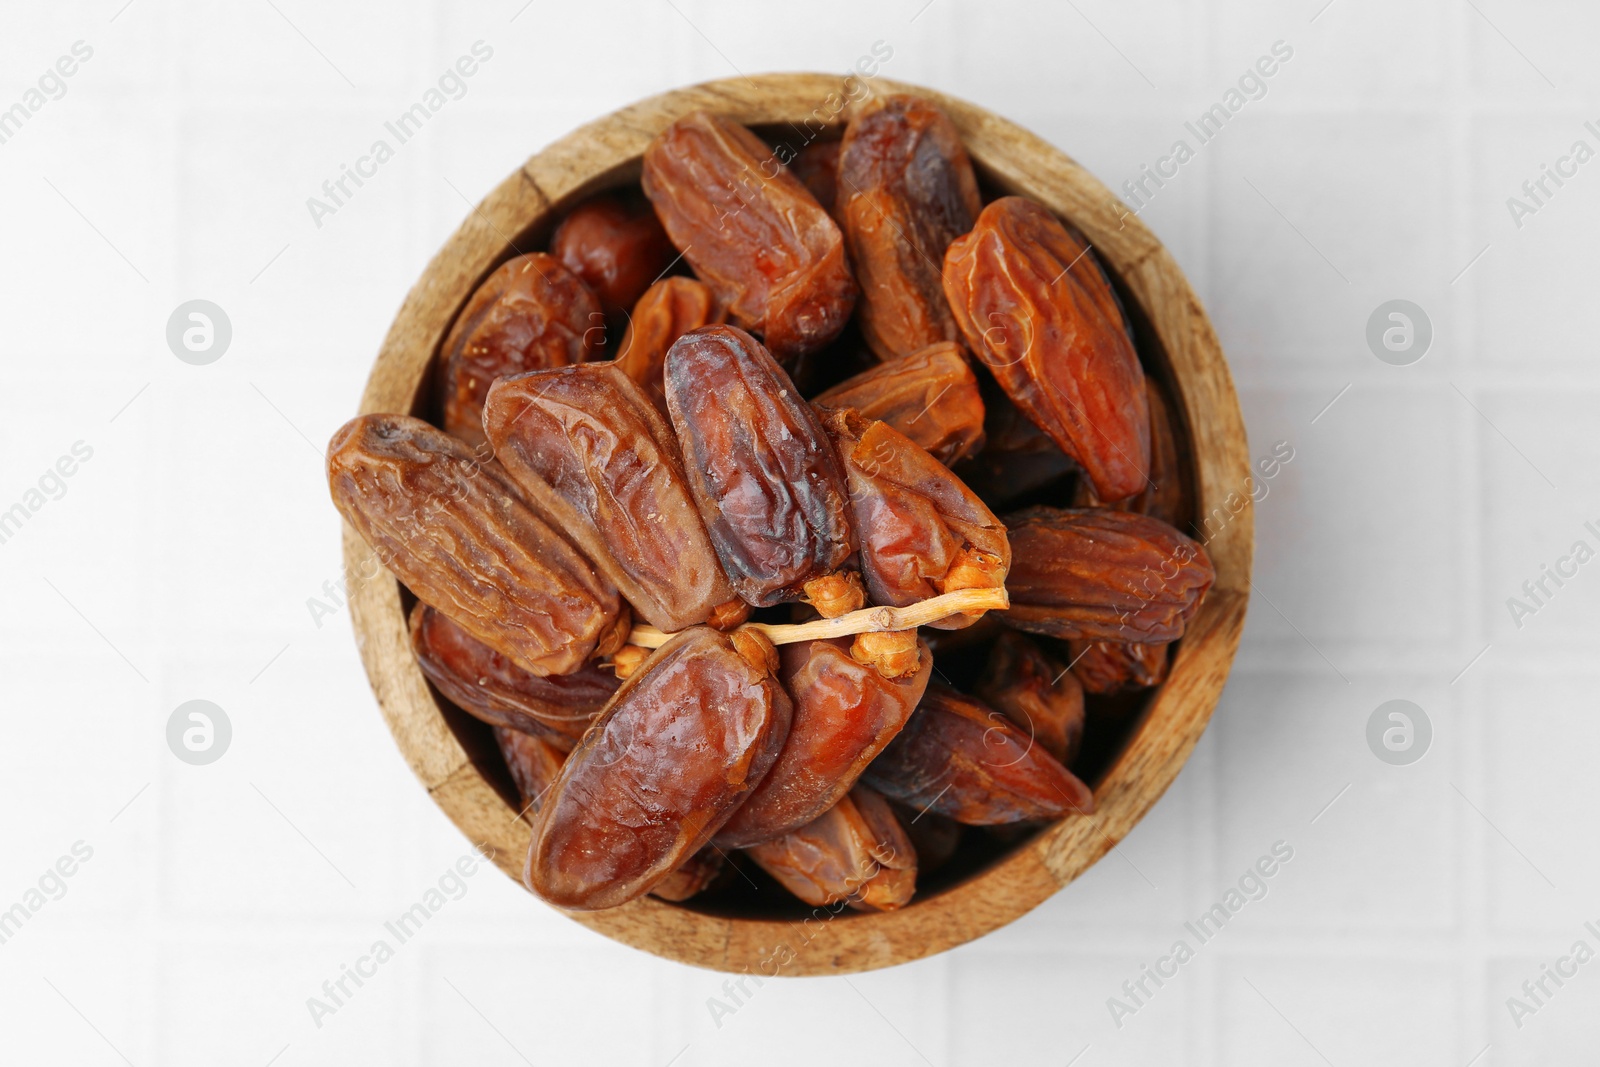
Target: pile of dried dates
737,517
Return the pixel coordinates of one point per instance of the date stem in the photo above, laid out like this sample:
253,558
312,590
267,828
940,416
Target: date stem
865,621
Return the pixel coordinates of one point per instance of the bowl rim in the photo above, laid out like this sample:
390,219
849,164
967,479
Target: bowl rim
606,152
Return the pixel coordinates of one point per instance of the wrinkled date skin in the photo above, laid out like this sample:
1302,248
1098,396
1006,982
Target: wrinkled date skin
922,531
855,851
844,714
487,685
1115,666
752,232
1038,694
931,396
530,314
817,167
963,759
1164,496
1034,305
676,751
457,532
906,190
1101,575
596,459
533,763
615,243
668,309
759,464
1017,458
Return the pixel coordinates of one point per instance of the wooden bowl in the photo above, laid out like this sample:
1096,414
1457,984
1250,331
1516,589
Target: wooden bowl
458,765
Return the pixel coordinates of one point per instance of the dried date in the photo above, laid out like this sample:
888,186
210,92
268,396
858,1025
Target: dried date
855,851
752,232
693,878
961,758
906,190
1164,496
533,763
530,314
457,532
1101,575
931,396
817,167
1106,667
596,459
759,464
668,309
1038,694
615,243
845,712
922,532
485,683
1035,307
677,750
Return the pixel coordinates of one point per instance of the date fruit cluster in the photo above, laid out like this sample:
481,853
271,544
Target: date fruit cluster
763,391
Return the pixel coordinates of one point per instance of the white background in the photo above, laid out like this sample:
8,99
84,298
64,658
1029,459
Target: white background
179,563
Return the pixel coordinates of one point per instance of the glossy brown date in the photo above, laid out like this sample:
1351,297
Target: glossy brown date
759,464
1102,575
677,750
845,712
456,531
615,243
487,685
855,851
906,190
596,459
668,309
530,314
533,763
1037,693
751,231
1035,307
1164,496
931,396
1115,666
960,758
691,879
922,532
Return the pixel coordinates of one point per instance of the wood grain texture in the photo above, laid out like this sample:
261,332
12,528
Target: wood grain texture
516,216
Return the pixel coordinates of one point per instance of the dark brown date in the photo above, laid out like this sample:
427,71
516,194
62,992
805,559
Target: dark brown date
931,396
615,243
961,758
845,712
936,837
596,459
530,314
668,309
817,167
855,851
1106,667
759,464
1164,496
677,750
752,232
922,531
1034,305
533,763
1017,459
455,529
1101,575
1037,693
487,685
906,190
697,873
